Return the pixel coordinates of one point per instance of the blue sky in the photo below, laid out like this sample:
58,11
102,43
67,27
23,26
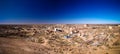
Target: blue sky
60,11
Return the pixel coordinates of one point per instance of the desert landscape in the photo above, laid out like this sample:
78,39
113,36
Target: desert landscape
60,39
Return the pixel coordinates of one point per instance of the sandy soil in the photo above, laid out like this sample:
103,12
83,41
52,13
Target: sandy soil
18,46
60,39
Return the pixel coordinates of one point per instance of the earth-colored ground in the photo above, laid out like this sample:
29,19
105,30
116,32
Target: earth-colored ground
60,39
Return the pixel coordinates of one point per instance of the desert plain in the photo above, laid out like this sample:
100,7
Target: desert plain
60,39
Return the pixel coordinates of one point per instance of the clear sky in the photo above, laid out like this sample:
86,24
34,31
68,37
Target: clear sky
60,11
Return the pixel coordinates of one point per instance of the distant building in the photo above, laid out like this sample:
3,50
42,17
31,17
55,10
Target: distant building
110,27
85,25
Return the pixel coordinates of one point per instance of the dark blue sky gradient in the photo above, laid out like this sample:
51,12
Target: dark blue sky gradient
60,11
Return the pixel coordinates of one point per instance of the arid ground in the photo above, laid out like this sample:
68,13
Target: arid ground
60,39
